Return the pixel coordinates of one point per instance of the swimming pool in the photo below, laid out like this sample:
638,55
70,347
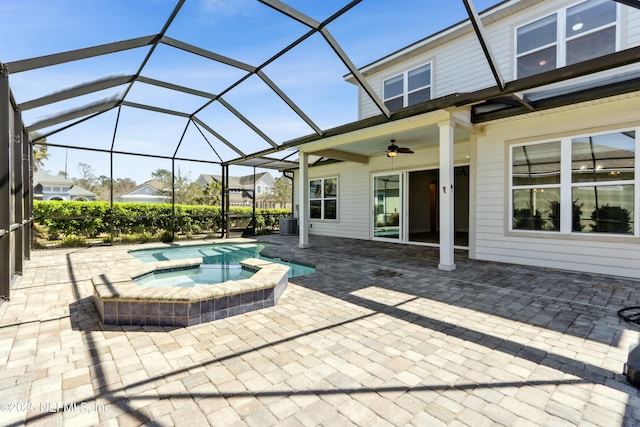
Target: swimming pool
220,263
205,274
121,301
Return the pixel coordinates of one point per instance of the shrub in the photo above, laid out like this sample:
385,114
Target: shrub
611,219
73,241
524,219
140,222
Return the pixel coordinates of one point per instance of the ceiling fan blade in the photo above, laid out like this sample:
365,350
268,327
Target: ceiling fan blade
405,150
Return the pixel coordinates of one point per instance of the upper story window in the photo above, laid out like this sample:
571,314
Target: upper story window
584,31
409,88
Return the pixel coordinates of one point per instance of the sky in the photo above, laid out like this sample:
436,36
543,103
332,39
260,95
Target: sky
311,75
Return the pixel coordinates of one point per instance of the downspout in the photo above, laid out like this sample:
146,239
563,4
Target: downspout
284,173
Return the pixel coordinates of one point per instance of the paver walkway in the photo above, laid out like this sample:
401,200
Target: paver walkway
376,337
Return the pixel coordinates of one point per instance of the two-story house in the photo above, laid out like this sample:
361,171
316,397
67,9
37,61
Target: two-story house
241,189
151,191
522,150
50,187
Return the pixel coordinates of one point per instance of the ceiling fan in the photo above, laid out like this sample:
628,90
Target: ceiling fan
393,149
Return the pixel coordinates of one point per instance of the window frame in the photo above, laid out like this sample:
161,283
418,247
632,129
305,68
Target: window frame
405,86
567,186
324,198
562,39
534,187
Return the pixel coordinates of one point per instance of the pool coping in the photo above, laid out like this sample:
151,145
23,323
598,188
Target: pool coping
120,301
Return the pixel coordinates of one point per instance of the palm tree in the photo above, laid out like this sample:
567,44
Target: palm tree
211,194
40,152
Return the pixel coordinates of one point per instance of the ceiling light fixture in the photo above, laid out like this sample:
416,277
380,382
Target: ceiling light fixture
393,149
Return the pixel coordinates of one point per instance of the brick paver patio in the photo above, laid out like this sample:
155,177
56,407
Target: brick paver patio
376,337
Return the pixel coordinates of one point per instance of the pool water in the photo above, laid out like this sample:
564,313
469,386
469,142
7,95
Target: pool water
222,254
188,278
220,262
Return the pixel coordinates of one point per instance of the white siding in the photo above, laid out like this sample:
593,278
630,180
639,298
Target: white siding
450,72
366,107
589,253
353,201
632,20
354,188
460,66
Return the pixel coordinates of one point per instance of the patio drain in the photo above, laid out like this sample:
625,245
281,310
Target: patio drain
386,273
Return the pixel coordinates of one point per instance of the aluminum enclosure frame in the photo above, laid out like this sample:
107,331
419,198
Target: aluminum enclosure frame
503,93
16,162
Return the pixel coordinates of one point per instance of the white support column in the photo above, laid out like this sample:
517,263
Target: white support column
473,161
303,200
447,229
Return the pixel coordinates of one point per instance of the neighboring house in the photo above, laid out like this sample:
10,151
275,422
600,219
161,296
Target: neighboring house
81,195
147,192
50,187
241,189
541,171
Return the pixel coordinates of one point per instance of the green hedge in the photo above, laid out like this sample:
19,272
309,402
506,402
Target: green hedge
59,219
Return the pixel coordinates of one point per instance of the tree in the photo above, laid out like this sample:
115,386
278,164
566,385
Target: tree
40,152
282,191
120,186
211,194
123,186
163,175
186,192
87,178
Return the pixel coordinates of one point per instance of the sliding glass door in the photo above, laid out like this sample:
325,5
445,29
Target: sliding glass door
406,206
388,209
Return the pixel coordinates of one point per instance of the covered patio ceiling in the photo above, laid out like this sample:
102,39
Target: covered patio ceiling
208,102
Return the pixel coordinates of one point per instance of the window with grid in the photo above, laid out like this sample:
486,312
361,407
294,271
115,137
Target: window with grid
584,31
535,186
579,185
323,198
409,88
